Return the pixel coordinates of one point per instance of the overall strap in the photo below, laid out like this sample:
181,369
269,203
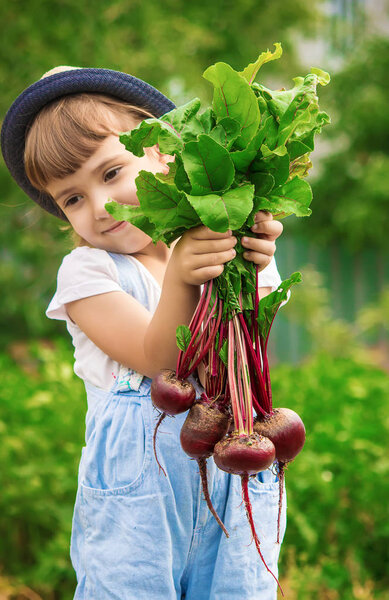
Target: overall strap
131,279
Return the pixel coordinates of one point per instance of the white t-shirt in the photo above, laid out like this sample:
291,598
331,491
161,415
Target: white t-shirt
89,272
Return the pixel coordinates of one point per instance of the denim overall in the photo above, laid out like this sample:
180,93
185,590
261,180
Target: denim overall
138,535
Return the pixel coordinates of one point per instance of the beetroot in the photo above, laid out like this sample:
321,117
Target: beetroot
170,394
207,422
285,429
244,454
287,432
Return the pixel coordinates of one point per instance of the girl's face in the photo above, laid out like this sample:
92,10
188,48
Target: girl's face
109,174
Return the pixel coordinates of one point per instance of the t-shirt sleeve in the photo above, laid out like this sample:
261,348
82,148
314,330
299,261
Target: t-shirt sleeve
270,277
83,273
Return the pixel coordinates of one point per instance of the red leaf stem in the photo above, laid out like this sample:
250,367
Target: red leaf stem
254,358
197,345
191,350
232,379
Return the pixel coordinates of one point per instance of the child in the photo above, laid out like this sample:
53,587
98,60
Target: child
136,533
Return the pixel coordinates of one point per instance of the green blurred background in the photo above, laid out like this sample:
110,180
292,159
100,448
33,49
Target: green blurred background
329,346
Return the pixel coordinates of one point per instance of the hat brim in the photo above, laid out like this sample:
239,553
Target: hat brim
29,103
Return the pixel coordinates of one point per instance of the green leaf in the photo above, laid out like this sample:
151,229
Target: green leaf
263,182
271,132
132,214
279,151
224,353
150,132
180,118
208,166
233,97
170,176
302,114
269,305
164,213
297,148
163,204
207,120
292,198
181,178
322,76
277,166
228,211
243,158
183,337
250,72
225,132
296,195
188,123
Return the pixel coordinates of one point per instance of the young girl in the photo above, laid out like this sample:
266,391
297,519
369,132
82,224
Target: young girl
136,533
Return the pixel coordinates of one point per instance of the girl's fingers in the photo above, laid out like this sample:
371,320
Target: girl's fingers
257,245
200,276
219,245
207,266
270,228
258,259
204,233
262,215
213,259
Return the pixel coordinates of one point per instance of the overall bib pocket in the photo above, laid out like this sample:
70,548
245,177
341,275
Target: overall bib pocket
118,453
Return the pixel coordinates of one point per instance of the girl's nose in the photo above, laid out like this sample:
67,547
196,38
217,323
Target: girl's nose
99,201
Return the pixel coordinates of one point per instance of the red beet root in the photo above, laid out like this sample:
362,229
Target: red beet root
205,425
249,513
285,429
244,454
287,432
171,395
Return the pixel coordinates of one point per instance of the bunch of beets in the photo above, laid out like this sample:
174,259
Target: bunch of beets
248,152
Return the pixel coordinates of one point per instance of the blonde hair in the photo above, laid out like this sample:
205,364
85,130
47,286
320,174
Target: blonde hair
67,131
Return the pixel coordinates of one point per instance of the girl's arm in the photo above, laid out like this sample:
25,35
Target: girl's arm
127,332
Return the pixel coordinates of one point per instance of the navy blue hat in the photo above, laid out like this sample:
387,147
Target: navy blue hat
70,81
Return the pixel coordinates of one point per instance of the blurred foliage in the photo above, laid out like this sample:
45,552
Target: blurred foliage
311,308
337,536
351,189
42,412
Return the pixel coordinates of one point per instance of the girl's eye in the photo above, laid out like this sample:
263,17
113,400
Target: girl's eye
111,174
71,201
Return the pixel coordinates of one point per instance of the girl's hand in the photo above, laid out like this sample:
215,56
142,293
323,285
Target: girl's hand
261,249
200,255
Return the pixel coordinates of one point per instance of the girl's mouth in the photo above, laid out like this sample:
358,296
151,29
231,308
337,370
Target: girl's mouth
117,227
